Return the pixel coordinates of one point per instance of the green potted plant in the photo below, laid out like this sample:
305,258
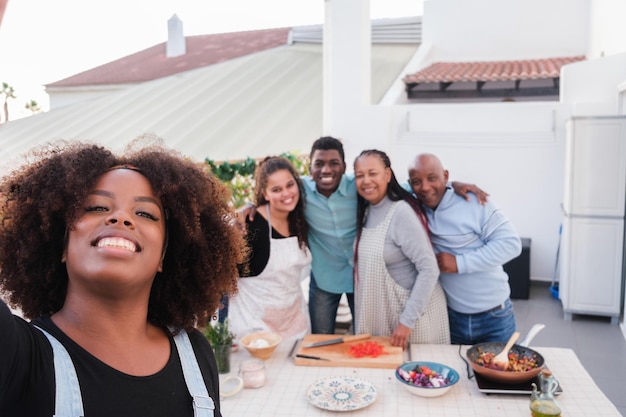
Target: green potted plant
221,340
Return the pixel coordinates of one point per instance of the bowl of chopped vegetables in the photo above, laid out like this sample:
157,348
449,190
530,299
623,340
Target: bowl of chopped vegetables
426,379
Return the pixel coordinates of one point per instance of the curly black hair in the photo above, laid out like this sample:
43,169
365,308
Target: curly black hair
41,200
269,165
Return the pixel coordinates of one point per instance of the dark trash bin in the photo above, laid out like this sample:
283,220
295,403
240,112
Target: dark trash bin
518,270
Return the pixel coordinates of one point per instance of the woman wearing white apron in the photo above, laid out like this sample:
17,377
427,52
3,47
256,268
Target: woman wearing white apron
269,296
397,292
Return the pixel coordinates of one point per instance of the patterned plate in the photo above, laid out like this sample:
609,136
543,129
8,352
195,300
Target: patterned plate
341,393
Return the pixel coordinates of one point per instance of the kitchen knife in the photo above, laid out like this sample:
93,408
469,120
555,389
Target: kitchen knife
317,358
344,339
294,348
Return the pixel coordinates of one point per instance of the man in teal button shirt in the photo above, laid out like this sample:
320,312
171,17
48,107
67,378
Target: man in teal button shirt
330,213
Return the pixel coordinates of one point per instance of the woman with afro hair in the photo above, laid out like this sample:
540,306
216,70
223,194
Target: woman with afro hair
115,260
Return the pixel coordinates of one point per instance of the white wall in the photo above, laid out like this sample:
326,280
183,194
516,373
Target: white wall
512,150
347,58
608,31
506,29
591,88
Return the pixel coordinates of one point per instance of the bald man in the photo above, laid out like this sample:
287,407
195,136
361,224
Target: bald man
472,241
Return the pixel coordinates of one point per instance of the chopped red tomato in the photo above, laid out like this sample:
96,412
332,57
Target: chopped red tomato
368,348
426,370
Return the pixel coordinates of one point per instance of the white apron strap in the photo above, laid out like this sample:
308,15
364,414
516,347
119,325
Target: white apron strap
203,405
68,401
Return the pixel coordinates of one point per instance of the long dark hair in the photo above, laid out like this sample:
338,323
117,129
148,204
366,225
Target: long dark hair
271,164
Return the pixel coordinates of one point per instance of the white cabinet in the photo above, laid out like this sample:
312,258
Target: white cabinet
591,267
595,164
592,264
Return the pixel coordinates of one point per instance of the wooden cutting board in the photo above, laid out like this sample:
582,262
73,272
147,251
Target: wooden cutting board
339,354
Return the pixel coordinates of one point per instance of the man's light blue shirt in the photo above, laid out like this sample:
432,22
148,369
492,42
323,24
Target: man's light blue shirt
482,239
332,229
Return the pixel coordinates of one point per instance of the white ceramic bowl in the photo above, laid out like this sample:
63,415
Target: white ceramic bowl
261,344
230,386
451,376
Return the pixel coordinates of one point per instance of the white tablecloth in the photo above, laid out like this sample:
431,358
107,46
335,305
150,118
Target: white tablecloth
285,391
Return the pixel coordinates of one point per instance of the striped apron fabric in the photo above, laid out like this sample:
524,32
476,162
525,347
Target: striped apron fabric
379,300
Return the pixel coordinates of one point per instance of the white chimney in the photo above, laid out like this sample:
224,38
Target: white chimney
175,38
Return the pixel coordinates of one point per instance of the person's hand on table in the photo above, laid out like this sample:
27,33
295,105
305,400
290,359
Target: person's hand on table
462,189
400,336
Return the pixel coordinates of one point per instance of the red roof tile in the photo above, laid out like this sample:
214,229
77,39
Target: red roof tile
202,50
3,6
491,70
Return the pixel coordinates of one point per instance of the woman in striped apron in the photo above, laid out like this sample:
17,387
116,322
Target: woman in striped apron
397,293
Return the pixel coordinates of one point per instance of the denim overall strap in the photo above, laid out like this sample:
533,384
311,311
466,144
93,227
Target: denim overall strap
203,405
68,401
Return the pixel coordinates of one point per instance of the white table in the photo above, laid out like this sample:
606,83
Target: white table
285,391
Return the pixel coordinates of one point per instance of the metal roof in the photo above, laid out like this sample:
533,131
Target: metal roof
256,105
389,30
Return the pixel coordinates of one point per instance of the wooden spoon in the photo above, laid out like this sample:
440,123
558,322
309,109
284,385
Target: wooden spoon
501,360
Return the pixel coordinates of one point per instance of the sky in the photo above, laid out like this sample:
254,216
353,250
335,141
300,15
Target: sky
42,41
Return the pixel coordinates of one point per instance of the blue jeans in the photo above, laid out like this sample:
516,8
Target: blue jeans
323,308
493,326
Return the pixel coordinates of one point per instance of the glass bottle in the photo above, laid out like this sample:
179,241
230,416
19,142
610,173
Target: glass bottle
543,403
252,371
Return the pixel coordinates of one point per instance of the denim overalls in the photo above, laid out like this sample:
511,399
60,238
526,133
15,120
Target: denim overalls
69,403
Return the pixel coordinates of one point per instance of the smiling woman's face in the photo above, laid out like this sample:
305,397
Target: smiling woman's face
119,234
372,178
281,191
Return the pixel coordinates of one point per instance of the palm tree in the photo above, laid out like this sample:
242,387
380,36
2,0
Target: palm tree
8,92
33,106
